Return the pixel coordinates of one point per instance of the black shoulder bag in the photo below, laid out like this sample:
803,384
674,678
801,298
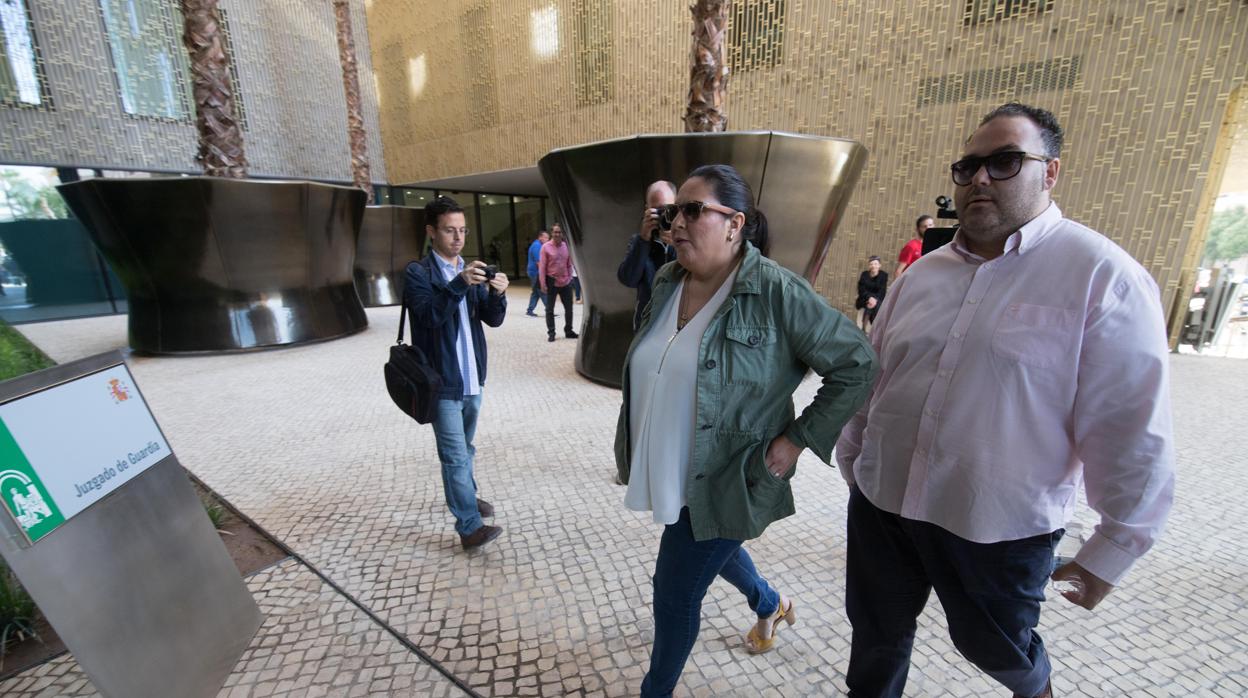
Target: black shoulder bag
412,381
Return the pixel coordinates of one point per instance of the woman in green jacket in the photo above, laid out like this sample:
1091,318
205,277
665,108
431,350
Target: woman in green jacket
707,438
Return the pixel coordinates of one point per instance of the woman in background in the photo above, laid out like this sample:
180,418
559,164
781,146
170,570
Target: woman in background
872,284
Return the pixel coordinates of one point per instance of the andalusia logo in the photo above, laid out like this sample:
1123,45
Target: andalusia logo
120,391
22,492
24,499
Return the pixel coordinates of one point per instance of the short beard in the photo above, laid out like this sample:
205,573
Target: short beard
1005,222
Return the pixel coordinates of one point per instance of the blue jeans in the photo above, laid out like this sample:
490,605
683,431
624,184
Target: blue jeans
535,294
991,593
453,428
682,574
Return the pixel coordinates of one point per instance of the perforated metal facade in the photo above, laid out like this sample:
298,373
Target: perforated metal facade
1141,86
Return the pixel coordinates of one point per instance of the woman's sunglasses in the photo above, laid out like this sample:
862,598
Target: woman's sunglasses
693,209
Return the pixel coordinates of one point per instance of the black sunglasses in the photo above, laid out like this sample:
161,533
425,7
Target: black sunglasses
1000,166
692,209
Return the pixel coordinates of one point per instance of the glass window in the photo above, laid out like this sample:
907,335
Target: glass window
20,82
552,216
415,198
528,223
153,76
49,267
497,235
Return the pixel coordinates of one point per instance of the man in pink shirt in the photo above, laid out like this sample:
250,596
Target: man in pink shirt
1029,355
554,272
912,250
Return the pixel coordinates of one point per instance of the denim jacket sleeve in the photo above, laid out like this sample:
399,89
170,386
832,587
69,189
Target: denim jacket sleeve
830,344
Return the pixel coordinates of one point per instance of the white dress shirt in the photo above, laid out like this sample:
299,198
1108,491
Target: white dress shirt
466,353
1005,382
663,385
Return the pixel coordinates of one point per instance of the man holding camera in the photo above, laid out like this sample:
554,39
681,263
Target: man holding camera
448,300
650,248
555,273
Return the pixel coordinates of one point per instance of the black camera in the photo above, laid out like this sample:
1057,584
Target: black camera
490,272
944,208
664,223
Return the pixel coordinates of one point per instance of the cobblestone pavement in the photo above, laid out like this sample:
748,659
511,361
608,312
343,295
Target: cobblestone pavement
313,642
306,442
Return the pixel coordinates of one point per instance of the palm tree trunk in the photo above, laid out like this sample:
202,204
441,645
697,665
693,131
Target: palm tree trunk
220,136
351,85
708,72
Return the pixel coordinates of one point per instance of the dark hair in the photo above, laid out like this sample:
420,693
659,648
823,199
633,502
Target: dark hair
922,218
873,258
733,192
1050,131
434,210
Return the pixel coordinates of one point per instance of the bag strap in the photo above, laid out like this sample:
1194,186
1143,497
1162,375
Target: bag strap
402,319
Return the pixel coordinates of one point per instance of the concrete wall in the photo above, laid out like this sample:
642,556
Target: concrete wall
286,55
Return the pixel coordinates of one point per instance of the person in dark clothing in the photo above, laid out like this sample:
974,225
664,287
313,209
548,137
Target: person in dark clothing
650,248
872,285
448,301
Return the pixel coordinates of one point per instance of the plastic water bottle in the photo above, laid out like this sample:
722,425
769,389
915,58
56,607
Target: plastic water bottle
1069,546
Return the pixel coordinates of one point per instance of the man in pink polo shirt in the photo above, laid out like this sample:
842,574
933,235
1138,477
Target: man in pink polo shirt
554,271
1027,356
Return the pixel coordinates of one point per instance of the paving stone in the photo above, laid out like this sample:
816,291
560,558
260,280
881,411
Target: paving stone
282,592
305,441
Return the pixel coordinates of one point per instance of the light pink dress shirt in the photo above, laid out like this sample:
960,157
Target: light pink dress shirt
1005,382
556,261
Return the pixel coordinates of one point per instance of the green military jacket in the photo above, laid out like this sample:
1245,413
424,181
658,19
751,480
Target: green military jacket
772,328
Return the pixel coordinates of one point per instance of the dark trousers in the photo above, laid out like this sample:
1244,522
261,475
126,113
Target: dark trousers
564,293
682,574
991,593
535,295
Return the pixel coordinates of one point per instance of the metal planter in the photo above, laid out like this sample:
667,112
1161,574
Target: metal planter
212,264
390,238
803,184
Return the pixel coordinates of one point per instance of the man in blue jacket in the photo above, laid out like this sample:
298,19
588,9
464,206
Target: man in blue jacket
650,248
448,300
535,254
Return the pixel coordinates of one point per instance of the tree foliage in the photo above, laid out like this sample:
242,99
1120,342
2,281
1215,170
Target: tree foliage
1228,235
22,200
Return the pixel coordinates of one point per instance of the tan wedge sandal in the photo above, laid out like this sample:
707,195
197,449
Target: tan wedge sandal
759,645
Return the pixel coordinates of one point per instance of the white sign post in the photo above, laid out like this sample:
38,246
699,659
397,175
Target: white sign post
47,475
105,531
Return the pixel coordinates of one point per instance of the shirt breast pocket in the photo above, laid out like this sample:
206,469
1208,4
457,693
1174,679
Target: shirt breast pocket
1035,335
751,354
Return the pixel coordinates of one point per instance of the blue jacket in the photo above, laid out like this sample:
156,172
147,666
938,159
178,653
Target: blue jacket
433,309
535,254
641,263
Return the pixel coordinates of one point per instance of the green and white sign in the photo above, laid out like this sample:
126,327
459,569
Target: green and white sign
65,448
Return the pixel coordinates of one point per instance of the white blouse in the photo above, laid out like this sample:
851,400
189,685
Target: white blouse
663,374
